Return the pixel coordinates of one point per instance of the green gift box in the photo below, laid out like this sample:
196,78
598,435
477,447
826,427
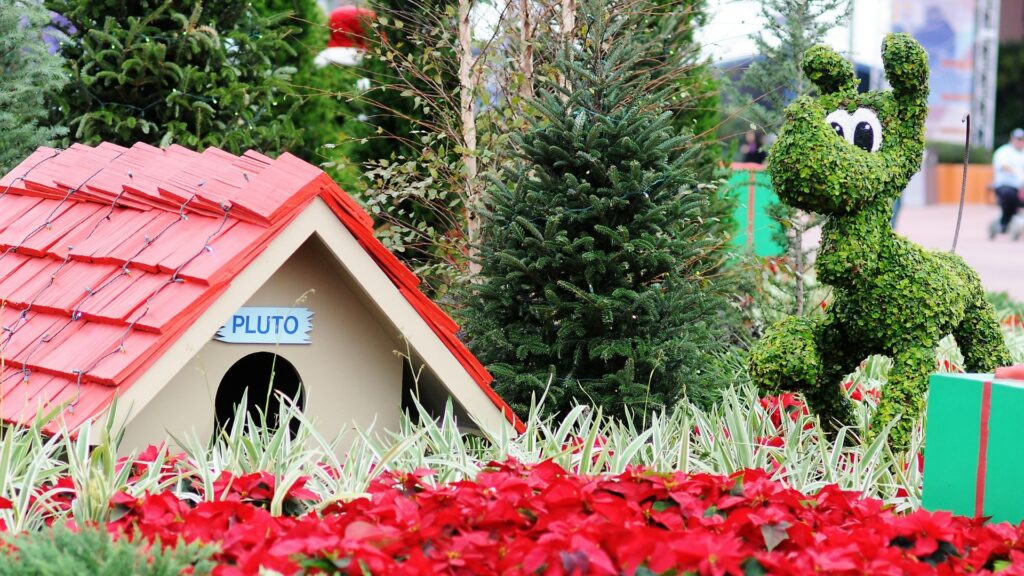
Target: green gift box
751,187
974,440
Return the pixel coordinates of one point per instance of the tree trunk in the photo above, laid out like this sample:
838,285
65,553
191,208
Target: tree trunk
525,50
467,98
568,18
798,268
568,26
798,226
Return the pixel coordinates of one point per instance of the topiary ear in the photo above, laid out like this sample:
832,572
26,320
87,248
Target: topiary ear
829,71
906,65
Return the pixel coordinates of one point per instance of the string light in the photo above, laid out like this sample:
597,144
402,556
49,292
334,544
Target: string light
76,313
174,279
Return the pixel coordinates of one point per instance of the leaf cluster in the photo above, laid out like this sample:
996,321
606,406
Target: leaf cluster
320,101
30,76
94,552
171,71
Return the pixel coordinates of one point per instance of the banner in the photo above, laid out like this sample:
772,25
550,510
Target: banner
946,30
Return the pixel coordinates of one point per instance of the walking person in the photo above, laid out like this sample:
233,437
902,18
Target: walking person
1008,164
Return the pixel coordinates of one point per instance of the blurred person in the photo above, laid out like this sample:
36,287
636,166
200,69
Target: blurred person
753,148
1008,165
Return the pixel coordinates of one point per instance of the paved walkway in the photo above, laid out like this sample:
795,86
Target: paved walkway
999,262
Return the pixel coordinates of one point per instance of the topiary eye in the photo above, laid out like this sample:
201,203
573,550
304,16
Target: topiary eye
868,132
864,136
862,128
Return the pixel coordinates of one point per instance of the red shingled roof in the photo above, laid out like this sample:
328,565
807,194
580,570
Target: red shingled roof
108,254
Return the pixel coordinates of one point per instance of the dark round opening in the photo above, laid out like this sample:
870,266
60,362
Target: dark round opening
266,377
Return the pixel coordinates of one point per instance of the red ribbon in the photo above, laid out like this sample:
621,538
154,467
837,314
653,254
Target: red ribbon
750,209
979,486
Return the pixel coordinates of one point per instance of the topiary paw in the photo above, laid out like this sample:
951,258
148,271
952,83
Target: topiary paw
786,358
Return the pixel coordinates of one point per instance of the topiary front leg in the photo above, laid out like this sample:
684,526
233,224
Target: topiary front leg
903,396
807,356
786,358
839,357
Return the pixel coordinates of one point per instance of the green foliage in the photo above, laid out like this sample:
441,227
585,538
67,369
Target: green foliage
423,215
94,552
412,71
174,71
848,156
409,139
787,359
598,260
953,153
769,83
792,27
1009,76
694,101
320,99
29,78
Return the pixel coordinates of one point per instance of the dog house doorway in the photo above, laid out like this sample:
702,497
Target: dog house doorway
265,377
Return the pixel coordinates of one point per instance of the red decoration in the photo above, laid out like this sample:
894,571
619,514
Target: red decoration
347,27
542,519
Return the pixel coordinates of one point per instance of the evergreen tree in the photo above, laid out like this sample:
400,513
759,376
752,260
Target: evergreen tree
598,262
30,75
695,101
176,71
774,78
694,98
791,27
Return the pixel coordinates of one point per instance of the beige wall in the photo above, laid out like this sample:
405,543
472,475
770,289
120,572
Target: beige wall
349,371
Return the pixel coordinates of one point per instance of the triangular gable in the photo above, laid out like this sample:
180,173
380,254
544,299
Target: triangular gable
376,285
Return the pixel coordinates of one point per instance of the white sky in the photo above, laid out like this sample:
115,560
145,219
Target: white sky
733,24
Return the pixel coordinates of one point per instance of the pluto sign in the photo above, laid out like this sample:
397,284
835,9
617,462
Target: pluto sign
267,325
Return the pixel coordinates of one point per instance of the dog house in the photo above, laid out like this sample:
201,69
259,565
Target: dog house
176,281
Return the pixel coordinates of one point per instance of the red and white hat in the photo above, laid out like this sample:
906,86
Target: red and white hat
348,41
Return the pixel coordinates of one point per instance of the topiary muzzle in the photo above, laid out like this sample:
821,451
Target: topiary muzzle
829,161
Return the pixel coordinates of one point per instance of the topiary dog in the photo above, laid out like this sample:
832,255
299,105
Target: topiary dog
848,156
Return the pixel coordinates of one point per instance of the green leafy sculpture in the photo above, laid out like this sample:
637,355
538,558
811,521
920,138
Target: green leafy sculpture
848,156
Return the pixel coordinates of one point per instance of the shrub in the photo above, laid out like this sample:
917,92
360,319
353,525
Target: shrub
30,76
94,552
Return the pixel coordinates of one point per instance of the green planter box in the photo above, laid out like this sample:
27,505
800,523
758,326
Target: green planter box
974,438
751,188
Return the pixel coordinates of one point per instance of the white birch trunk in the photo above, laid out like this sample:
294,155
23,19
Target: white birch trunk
526,50
568,26
467,98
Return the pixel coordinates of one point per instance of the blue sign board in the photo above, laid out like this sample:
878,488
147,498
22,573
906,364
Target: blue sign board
267,325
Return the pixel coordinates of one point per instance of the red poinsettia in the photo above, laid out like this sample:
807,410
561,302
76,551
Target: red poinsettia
540,519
